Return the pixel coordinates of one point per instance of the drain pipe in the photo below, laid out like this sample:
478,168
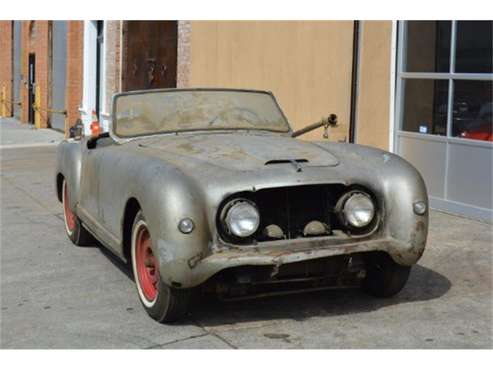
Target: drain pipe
354,83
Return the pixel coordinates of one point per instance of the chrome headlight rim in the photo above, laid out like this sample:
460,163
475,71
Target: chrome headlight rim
368,227
225,218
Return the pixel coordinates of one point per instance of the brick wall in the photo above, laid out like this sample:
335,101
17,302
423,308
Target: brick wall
35,40
6,66
75,50
112,41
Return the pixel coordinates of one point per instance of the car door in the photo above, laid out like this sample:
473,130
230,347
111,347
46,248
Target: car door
89,184
100,201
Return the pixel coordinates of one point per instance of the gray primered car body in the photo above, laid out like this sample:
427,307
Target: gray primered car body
173,176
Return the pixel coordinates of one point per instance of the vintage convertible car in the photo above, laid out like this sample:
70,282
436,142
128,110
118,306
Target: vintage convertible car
208,190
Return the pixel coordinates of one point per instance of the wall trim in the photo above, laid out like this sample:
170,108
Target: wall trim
393,78
89,73
462,209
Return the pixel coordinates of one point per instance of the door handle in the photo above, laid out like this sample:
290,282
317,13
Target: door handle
164,69
150,73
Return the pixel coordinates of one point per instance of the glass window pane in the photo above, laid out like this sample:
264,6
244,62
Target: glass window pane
428,46
474,47
425,106
472,117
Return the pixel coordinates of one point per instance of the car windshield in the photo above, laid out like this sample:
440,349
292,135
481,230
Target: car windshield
152,112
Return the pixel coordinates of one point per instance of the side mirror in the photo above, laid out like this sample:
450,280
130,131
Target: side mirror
326,123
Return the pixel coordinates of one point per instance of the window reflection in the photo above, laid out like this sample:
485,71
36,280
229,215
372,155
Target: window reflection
472,111
474,47
428,46
425,106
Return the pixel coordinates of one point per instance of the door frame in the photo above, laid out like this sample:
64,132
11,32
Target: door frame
31,87
92,89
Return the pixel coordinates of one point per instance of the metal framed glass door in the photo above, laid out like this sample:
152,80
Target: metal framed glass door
444,111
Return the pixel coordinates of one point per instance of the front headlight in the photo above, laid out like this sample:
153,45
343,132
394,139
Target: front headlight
358,210
242,218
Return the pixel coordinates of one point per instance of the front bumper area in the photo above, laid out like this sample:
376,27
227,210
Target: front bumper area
197,269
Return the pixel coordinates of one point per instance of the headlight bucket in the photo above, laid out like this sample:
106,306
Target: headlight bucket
356,210
240,218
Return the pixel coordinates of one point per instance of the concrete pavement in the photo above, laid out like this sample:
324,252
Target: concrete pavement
16,135
56,295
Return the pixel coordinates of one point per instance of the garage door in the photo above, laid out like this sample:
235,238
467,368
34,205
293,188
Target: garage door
58,74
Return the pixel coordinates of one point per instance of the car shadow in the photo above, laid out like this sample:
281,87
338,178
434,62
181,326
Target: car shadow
424,284
125,268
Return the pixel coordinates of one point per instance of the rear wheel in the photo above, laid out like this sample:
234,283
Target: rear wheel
162,303
75,231
384,278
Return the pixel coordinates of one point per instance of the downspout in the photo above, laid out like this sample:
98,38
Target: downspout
354,83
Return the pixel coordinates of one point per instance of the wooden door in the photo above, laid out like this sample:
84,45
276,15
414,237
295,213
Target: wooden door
149,54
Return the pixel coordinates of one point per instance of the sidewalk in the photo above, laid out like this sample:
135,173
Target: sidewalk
14,134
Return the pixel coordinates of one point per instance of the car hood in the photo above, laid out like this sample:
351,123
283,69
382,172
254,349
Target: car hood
243,152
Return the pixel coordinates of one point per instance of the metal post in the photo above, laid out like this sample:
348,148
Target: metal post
354,82
37,106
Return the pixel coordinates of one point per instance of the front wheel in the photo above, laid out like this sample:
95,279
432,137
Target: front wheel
162,303
384,278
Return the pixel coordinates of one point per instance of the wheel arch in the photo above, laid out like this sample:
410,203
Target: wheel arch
59,186
132,207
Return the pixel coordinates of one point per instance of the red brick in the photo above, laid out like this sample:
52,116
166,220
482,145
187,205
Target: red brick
75,49
6,64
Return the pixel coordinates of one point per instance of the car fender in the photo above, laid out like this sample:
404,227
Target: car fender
397,185
166,196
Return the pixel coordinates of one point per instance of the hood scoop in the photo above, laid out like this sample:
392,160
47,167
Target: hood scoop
281,161
294,162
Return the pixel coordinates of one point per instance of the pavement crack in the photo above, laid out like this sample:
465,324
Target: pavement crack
214,334
154,346
224,340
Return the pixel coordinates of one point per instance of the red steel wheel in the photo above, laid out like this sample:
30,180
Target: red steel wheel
162,303
70,221
146,264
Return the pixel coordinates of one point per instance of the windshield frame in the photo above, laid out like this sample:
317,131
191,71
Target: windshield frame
113,125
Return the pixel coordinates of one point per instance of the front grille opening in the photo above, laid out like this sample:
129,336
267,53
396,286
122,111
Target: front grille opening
250,281
291,208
